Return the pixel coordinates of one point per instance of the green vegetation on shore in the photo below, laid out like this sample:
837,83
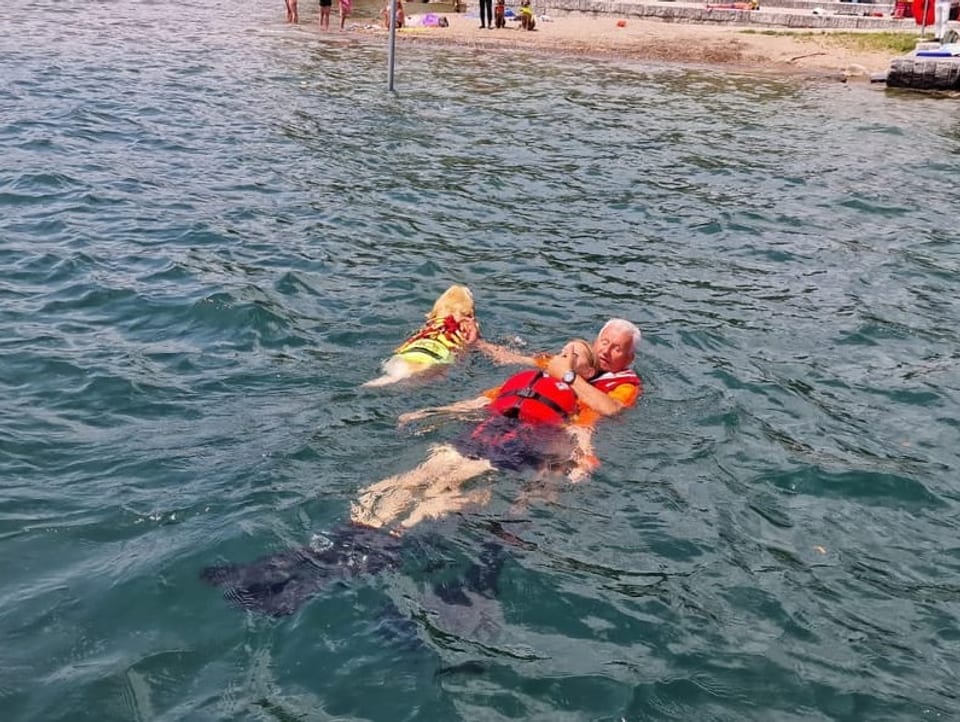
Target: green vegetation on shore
895,42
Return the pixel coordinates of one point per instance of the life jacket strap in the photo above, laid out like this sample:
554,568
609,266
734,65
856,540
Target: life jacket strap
425,351
528,392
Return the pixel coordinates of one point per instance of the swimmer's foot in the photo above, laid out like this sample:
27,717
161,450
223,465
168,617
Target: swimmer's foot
378,510
364,517
439,506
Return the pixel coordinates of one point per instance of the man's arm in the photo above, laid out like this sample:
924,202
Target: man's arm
591,396
584,460
503,355
588,395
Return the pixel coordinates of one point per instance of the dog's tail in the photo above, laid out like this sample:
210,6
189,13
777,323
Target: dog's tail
384,380
394,369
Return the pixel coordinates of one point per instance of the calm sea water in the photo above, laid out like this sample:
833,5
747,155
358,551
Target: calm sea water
214,226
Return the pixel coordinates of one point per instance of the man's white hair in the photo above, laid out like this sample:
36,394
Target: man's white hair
621,324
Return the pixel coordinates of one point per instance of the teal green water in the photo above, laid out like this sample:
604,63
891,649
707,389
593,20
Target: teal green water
212,229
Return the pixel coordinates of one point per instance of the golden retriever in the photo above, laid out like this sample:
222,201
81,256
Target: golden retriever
449,329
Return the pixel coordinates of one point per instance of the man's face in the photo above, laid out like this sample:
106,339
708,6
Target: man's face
614,349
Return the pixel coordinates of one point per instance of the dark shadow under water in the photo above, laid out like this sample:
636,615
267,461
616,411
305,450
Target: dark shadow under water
279,584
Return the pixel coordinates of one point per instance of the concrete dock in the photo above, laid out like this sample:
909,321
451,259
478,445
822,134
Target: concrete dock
924,73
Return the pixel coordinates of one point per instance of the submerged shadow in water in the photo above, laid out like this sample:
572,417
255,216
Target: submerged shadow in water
279,584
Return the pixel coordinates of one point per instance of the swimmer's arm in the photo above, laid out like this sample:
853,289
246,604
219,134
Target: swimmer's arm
455,408
602,403
591,396
503,355
584,460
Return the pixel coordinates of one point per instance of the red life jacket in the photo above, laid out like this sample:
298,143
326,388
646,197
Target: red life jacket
535,398
609,380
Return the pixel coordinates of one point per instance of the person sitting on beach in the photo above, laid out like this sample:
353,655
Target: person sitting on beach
527,20
535,421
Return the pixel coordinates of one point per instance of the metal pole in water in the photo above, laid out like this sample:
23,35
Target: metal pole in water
391,47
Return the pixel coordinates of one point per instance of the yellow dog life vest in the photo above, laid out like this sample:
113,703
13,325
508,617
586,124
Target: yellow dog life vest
437,342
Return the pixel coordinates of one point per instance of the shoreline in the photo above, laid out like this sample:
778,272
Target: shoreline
783,51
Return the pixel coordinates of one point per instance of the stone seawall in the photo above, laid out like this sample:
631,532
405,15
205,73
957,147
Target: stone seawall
923,73
845,15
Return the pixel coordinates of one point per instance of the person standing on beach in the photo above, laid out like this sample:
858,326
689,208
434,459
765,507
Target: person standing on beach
346,7
486,14
325,6
941,15
400,17
292,15
499,14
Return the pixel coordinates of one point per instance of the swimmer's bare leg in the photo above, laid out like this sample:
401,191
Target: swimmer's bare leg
381,503
443,496
377,508
442,459
439,506
380,510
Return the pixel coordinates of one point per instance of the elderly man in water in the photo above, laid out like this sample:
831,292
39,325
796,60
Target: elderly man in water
613,388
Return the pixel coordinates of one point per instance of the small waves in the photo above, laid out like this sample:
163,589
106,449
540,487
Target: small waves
214,227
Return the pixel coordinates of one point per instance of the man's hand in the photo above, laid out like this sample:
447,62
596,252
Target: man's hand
470,330
564,361
582,469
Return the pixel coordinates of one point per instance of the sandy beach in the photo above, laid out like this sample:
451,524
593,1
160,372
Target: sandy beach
792,52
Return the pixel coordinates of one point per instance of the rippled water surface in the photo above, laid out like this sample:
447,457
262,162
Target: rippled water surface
212,229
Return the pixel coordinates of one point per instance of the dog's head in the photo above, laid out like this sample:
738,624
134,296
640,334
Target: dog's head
456,301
